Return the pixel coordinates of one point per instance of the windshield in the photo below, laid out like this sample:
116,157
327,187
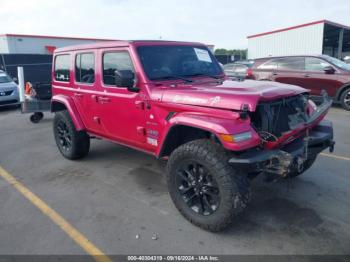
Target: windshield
338,63
5,78
171,62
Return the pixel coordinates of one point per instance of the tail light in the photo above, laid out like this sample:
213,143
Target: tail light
249,73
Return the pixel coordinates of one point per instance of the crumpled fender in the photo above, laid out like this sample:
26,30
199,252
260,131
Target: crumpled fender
71,108
216,126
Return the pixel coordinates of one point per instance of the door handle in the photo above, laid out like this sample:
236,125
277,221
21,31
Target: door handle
306,75
103,99
94,97
78,95
274,74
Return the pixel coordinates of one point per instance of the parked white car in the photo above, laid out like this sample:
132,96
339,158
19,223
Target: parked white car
8,90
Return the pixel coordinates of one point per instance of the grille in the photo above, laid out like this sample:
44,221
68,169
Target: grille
6,93
272,119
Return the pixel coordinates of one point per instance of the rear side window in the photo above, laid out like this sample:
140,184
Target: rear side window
113,61
85,68
62,68
271,64
291,63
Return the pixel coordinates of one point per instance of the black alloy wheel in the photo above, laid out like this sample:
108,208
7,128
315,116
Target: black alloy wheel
198,188
64,136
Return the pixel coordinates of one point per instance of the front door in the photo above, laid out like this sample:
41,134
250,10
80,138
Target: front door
122,112
316,79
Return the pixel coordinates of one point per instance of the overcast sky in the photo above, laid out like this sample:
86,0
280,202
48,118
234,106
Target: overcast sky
224,23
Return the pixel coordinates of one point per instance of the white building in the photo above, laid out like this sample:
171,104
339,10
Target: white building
38,44
319,37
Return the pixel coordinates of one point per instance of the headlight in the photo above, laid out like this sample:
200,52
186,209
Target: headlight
237,137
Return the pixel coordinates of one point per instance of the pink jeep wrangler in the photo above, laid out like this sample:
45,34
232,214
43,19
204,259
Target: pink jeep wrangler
172,100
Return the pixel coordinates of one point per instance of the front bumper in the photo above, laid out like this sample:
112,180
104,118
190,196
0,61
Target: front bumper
290,158
9,97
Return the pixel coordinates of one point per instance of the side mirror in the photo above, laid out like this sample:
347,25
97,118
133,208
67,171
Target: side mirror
125,78
15,79
329,70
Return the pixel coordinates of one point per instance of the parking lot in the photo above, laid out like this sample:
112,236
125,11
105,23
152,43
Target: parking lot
117,199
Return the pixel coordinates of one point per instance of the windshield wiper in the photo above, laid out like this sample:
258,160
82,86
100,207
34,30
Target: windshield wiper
198,74
173,77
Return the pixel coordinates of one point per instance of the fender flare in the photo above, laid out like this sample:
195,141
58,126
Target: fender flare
71,108
340,90
213,125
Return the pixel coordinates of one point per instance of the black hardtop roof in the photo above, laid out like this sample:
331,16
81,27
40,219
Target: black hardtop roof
121,43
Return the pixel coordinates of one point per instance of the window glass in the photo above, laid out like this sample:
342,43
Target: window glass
291,63
338,63
113,61
271,64
62,67
315,64
167,62
85,68
4,78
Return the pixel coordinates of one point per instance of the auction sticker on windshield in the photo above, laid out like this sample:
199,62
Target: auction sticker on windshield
202,55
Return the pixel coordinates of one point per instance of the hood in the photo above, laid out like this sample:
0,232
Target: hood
7,86
228,95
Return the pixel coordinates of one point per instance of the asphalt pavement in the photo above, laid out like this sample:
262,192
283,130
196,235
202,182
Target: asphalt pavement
117,199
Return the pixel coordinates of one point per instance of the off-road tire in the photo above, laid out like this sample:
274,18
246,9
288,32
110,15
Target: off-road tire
308,163
234,186
79,140
343,96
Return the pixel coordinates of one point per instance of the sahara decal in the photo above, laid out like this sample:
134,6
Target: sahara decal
196,100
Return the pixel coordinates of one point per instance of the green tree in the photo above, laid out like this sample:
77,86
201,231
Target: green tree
242,53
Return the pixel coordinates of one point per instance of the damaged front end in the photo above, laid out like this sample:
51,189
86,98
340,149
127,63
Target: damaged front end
292,132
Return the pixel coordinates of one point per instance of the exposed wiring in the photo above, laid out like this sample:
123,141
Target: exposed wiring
266,136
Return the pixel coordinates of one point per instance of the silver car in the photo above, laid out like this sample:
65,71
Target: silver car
8,90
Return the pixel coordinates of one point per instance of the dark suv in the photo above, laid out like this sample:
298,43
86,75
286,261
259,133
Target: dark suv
312,72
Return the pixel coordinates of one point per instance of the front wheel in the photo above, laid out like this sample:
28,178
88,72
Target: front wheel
204,187
345,99
72,144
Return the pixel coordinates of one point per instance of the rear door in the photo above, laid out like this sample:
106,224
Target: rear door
289,70
265,70
86,88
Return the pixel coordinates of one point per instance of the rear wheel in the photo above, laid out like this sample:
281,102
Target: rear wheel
72,144
345,99
204,187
